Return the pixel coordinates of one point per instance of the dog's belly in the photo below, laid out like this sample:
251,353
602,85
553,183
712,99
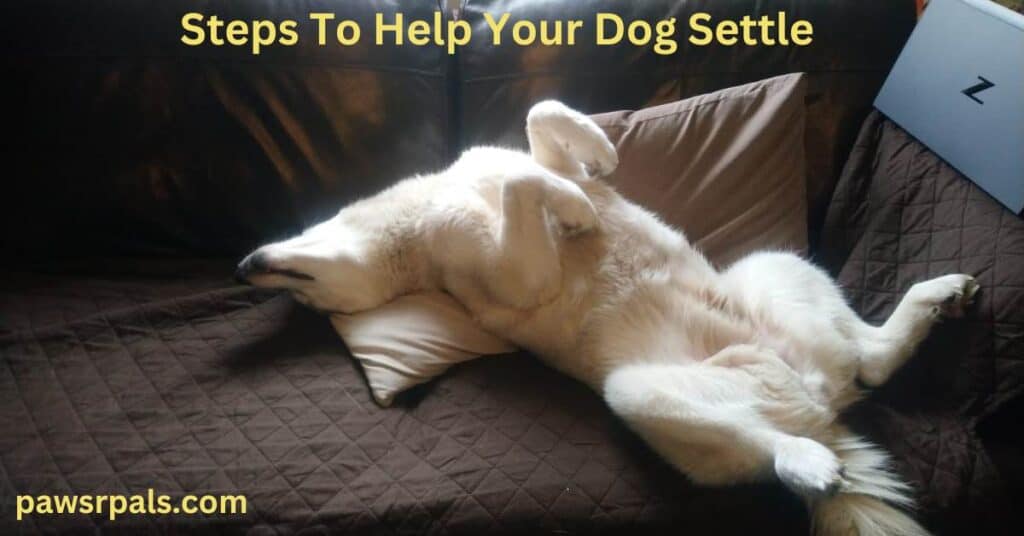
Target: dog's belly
611,316
597,326
637,291
625,287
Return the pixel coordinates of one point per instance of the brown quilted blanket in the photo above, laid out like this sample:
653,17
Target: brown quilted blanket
131,375
162,375
901,215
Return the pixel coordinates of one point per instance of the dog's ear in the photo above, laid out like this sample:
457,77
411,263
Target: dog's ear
568,142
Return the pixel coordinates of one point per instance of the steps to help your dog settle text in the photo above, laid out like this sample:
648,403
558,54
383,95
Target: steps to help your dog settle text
609,29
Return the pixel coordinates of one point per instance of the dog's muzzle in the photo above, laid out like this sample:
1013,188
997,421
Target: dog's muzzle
255,262
258,263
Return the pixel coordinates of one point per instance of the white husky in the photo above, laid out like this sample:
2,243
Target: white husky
731,375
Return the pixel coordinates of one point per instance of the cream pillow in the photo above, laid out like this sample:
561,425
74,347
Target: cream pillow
727,167
413,339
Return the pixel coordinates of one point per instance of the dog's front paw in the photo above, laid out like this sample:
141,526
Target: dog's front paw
571,207
807,467
949,295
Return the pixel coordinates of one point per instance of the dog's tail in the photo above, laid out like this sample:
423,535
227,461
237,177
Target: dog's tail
871,501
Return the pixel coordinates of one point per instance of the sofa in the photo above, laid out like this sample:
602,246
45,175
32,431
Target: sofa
141,169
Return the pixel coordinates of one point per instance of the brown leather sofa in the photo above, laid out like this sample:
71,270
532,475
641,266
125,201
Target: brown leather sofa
148,147
138,169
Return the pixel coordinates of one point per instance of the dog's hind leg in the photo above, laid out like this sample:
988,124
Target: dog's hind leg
568,142
807,303
885,348
735,417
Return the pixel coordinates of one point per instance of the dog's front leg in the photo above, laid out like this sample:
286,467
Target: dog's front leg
526,270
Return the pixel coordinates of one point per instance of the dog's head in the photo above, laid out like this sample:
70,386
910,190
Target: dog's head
346,264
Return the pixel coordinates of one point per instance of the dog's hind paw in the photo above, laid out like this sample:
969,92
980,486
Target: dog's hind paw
949,295
807,467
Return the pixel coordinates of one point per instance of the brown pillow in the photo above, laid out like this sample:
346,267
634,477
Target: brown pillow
727,168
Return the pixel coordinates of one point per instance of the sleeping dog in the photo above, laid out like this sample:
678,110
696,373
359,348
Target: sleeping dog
732,375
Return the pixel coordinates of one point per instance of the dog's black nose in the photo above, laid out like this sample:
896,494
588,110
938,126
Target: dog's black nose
254,262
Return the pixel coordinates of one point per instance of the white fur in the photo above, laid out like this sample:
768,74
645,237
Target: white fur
731,375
